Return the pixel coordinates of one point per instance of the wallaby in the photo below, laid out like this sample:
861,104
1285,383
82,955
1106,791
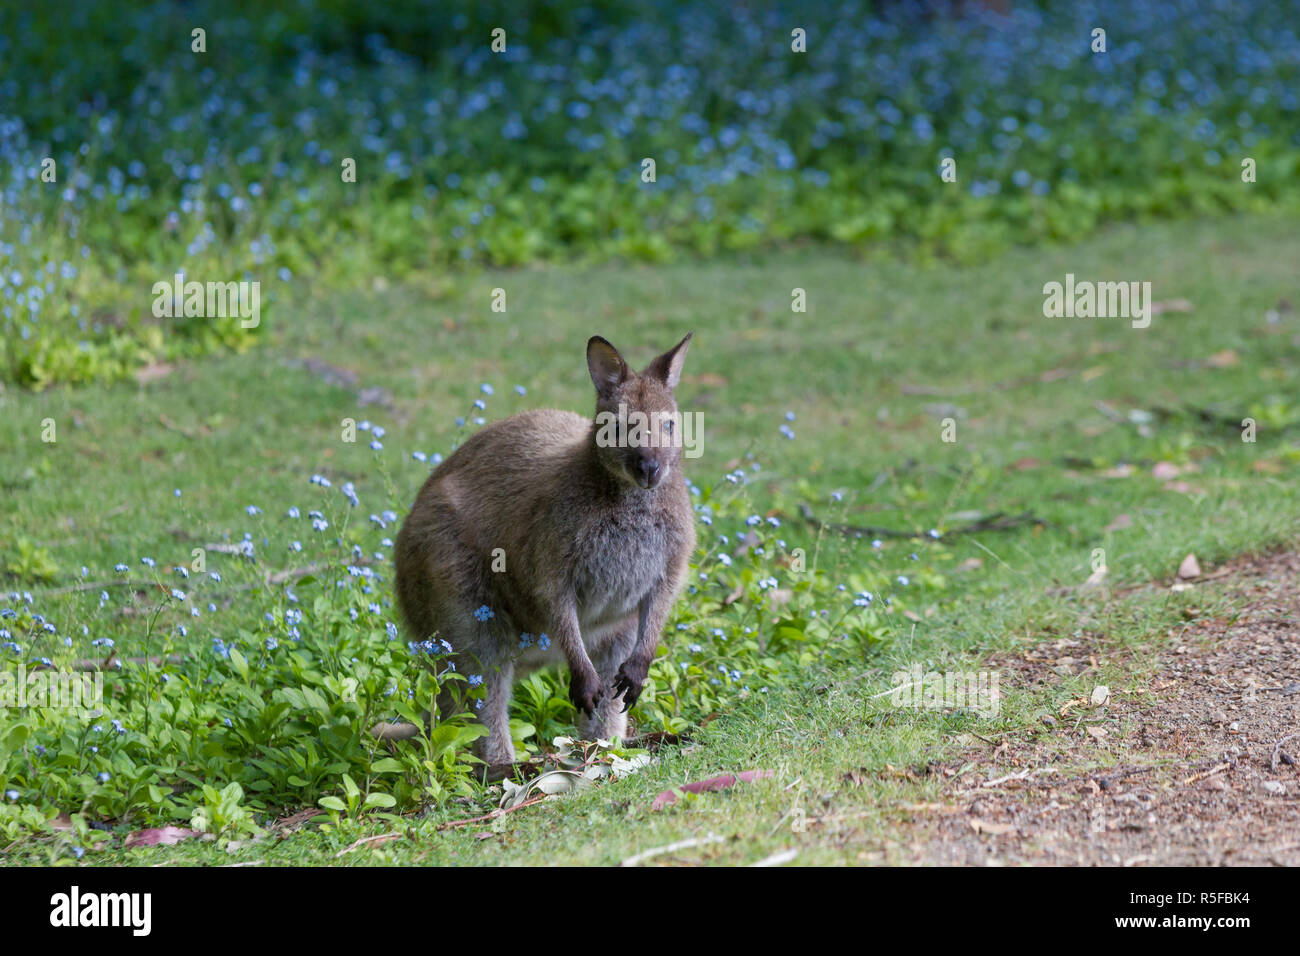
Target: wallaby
559,530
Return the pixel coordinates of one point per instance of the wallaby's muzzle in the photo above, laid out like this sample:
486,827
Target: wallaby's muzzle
648,472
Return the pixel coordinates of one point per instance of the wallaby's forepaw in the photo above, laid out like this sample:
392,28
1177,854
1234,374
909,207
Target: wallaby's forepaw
585,692
631,678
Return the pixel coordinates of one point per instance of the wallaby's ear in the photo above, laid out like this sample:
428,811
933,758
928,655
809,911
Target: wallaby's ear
668,367
607,368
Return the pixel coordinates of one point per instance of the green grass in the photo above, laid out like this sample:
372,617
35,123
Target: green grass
248,429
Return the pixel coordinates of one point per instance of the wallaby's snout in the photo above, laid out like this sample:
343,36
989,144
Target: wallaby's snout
647,470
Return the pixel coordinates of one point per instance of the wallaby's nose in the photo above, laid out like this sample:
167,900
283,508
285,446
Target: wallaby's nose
647,472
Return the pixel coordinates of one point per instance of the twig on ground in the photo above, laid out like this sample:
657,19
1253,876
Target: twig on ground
369,841
671,848
999,521
1277,750
453,824
777,859
1207,773
95,664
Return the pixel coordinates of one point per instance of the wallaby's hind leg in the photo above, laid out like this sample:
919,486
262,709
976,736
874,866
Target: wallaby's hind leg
497,748
607,656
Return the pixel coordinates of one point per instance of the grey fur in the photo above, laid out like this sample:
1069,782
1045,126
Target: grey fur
595,550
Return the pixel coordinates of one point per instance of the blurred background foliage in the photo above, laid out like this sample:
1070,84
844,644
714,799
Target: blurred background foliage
226,164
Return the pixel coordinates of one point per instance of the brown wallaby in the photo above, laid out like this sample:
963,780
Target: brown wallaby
573,535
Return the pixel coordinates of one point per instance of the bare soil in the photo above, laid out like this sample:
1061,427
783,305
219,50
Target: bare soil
1196,761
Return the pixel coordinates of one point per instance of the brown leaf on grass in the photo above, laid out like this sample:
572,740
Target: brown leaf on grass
720,782
1267,466
970,564
1225,359
159,836
709,379
1095,731
1190,568
856,777
1120,522
152,372
1025,464
1171,305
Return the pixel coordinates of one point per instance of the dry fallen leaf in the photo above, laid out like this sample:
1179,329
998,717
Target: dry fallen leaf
971,564
1120,522
1189,568
1095,731
1100,694
158,836
993,829
720,782
1225,359
1171,305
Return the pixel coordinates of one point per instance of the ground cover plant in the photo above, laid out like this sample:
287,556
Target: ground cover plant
243,699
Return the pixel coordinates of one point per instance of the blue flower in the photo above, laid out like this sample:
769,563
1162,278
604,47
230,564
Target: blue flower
543,642
525,641
475,679
103,776
484,613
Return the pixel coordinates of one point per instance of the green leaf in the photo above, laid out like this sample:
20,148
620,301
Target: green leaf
333,803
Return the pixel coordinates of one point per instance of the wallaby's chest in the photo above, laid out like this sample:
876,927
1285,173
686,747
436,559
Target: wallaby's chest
618,562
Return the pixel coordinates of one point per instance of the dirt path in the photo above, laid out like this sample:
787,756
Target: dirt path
1189,767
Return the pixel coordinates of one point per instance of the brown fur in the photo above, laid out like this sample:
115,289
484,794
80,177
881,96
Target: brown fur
593,557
